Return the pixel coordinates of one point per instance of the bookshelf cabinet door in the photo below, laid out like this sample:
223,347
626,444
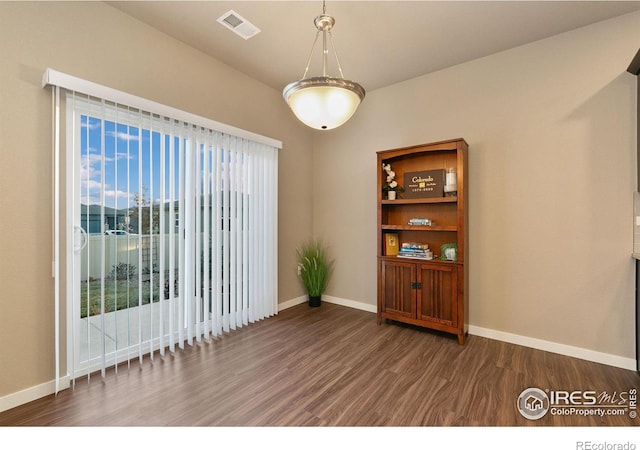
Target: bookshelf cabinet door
398,296
437,301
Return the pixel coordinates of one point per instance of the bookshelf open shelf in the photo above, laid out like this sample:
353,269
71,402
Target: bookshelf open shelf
420,227
431,293
420,201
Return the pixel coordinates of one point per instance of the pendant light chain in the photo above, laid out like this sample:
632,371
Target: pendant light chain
325,28
324,42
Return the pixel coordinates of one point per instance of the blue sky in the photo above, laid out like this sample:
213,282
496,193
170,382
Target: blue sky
125,152
124,160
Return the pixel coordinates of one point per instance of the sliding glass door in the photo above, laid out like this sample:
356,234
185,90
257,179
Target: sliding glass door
173,228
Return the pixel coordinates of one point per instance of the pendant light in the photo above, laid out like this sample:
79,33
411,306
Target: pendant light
323,102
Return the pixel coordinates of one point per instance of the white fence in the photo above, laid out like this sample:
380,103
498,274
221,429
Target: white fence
141,251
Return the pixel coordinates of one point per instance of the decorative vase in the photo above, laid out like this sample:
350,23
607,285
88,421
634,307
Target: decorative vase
451,183
391,195
314,300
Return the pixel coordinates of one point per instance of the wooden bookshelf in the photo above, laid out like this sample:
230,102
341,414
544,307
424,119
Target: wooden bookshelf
431,293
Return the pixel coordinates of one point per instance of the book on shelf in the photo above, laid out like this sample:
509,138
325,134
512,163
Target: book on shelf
415,245
422,221
415,250
426,255
390,244
419,251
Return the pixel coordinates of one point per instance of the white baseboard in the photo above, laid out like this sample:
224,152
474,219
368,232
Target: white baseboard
329,299
350,303
538,344
554,347
30,394
293,302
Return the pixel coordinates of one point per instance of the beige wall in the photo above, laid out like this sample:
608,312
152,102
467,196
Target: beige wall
552,161
97,42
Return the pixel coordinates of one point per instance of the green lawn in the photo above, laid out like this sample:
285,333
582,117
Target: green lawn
123,293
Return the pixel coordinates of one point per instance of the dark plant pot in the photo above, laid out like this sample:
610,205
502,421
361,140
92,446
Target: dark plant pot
314,300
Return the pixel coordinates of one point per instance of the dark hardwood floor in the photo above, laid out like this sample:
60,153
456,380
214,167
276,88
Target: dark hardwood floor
329,366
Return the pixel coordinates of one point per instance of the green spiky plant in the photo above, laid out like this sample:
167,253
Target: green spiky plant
315,266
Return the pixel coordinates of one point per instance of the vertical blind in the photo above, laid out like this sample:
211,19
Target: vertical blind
170,224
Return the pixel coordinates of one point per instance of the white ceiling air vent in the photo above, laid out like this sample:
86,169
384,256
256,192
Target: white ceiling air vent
238,24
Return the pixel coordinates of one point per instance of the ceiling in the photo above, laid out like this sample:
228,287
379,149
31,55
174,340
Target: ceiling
379,43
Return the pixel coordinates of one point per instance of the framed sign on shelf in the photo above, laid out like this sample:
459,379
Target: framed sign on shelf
424,184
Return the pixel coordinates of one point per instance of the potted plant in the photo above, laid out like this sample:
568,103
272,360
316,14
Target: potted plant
392,187
314,268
